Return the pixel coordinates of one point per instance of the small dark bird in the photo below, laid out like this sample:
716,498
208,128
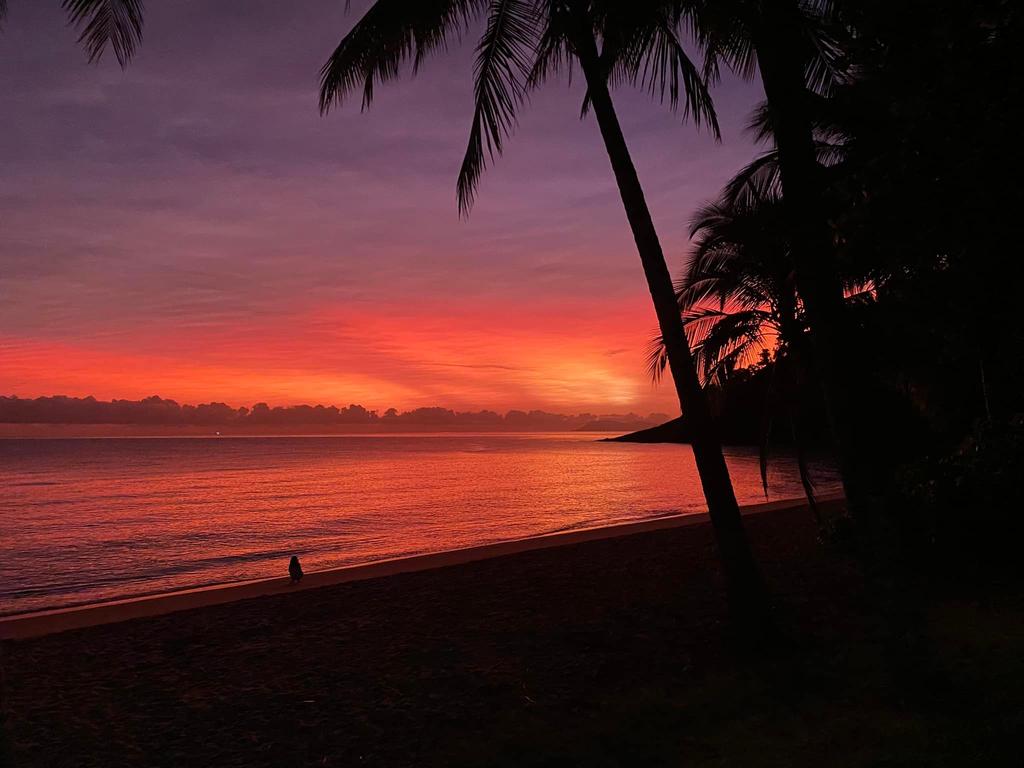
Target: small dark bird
295,570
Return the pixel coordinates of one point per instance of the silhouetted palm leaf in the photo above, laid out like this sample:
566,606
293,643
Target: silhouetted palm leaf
722,30
723,340
503,66
523,43
553,52
736,292
827,68
739,256
117,23
760,179
656,359
726,31
391,32
642,47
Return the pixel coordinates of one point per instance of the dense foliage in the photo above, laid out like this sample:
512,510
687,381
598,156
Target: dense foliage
918,170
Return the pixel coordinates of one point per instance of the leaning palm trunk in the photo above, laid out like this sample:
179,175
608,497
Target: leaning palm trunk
744,583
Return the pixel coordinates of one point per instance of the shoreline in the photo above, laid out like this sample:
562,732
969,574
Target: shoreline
37,431
54,620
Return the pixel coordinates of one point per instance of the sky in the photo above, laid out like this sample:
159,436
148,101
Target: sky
192,227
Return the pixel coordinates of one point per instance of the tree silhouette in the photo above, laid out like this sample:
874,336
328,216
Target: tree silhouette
797,46
524,42
738,298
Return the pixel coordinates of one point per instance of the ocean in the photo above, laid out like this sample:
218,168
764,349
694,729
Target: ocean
86,520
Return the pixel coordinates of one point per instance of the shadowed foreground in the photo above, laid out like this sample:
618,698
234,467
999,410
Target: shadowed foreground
604,653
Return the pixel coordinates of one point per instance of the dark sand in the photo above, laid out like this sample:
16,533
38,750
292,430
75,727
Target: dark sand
611,652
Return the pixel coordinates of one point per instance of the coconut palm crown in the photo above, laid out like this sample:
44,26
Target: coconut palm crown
523,42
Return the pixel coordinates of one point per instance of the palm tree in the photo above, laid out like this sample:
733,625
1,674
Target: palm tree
102,23
738,291
738,297
523,43
791,43
737,301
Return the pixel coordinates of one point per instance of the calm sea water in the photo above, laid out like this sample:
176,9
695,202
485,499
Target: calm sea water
83,520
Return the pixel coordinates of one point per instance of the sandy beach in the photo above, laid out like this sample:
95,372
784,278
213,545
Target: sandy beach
76,617
601,652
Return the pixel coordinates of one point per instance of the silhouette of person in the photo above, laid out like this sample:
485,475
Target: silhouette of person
295,570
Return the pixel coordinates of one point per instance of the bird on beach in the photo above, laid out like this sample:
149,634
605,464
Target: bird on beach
295,570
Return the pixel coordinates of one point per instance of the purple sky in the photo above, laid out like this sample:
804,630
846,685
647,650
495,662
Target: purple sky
192,227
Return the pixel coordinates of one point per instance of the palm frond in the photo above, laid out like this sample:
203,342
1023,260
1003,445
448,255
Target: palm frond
390,33
720,340
727,282
656,359
826,68
757,182
553,53
718,369
721,345
759,123
641,43
699,322
502,70
722,30
716,350
102,23
859,291
760,180
739,256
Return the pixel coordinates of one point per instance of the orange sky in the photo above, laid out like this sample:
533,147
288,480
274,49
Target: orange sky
562,357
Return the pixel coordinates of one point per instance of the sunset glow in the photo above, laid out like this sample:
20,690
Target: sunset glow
464,356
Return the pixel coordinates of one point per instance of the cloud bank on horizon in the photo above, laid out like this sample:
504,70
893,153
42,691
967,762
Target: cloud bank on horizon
192,226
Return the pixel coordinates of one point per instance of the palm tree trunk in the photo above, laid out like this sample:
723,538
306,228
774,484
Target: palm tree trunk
984,388
795,361
779,55
895,589
746,592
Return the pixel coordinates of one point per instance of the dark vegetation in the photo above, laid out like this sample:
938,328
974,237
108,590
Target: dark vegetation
913,128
